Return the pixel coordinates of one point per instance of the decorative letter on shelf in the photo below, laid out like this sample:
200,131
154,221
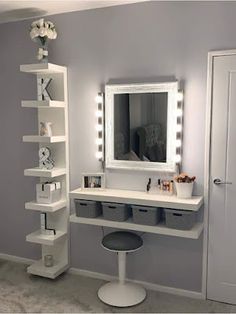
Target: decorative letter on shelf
42,84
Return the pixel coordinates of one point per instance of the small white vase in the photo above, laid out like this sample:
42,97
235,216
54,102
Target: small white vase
184,190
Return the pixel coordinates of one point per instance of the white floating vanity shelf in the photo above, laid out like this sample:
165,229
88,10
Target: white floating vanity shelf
194,233
140,198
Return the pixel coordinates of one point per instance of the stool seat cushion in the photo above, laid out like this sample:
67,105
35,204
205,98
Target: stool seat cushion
122,241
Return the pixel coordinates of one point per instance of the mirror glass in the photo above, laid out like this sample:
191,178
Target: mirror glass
140,126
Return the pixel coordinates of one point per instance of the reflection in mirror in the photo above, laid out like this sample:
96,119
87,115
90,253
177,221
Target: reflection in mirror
140,126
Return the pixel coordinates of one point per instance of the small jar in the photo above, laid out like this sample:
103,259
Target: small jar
48,260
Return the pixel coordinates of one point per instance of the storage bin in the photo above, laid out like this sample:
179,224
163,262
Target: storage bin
87,209
48,192
180,219
115,211
146,215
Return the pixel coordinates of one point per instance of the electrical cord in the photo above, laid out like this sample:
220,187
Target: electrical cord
103,232
141,235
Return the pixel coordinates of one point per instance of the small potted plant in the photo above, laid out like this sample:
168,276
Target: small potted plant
184,185
42,31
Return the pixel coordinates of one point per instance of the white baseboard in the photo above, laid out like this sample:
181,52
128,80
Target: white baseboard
95,275
16,259
91,274
147,285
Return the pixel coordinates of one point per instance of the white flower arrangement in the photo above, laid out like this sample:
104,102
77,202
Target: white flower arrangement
42,30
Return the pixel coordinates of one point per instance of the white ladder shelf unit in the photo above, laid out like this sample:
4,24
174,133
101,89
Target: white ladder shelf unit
55,111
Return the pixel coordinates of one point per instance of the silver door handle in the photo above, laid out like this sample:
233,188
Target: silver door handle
219,182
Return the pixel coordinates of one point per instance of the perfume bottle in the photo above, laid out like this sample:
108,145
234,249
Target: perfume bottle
149,185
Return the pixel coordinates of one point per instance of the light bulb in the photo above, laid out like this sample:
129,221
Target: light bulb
178,128
98,155
99,99
178,143
99,141
177,158
180,96
179,112
99,127
98,113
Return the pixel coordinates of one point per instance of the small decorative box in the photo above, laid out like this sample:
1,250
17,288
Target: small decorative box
47,193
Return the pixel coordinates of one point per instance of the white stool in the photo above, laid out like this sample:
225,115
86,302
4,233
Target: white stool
121,293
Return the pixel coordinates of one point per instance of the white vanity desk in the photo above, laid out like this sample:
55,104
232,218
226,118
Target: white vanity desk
139,198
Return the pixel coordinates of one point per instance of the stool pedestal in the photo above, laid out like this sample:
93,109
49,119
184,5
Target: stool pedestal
122,266
117,294
121,293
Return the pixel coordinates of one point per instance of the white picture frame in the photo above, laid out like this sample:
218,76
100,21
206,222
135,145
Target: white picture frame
93,181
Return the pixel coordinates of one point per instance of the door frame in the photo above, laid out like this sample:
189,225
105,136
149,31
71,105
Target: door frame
207,163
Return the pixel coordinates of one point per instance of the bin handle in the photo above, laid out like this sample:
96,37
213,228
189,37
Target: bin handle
111,206
83,204
143,210
177,214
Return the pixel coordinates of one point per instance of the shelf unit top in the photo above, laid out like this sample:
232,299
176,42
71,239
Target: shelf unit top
43,139
42,68
38,268
138,198
194,233
42,104
47,208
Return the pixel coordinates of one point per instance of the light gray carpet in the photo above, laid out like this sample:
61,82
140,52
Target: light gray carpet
20,292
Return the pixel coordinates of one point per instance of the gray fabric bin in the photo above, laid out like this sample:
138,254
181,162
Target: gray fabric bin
180,219
146,215
115,211
87,209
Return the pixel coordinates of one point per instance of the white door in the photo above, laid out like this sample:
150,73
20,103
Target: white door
221,281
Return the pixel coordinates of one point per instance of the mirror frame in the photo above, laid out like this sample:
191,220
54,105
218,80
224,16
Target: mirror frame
172,89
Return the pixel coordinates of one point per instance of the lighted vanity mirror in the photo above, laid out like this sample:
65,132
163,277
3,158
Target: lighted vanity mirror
141,126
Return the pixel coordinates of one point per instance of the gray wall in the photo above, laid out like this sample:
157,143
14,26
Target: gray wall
138,41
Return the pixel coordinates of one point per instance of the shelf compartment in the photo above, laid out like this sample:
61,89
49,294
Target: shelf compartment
37,172
47,208
44,104
38,237
42,68
161,229
43,139
38,268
